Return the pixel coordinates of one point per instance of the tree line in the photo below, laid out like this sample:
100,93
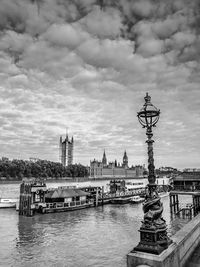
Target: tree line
18,169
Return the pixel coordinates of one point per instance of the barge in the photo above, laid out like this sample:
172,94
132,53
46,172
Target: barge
66,199
36,198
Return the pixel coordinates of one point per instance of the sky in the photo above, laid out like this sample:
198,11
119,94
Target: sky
77,66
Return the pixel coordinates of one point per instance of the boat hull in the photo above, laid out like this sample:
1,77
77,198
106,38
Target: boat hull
63,209
7,203
136,200
120,200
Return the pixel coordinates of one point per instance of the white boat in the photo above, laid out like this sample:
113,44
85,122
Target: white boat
8,202
137,199
136,187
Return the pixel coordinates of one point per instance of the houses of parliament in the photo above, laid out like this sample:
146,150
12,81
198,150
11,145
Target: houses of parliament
102,169
99,169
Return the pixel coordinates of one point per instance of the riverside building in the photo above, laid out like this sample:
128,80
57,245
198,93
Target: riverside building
102,169
188,180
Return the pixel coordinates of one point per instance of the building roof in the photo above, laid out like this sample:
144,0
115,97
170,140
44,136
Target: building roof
67,192
185,177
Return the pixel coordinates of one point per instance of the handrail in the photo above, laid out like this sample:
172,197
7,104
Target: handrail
68,204
190,188
122,194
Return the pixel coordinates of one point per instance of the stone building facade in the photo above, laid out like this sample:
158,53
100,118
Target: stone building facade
66,148
102,169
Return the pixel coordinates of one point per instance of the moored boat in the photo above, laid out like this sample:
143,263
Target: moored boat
137,199
36,198
8,202
135,187
120,200
66,199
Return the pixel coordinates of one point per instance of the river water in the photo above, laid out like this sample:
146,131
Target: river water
94,237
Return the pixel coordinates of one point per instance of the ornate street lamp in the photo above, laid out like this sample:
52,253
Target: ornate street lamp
153,232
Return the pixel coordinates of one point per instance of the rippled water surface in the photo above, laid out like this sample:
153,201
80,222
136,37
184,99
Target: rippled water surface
100,236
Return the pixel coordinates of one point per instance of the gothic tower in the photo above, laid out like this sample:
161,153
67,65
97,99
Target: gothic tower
66,149
70,150
125,160
115,163
104,159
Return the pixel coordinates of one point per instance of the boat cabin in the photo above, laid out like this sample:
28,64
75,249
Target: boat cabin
92,190
65,197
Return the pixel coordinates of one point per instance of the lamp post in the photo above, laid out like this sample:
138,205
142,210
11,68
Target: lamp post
153,232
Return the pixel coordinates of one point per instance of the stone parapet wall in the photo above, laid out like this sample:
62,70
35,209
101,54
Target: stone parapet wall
184,243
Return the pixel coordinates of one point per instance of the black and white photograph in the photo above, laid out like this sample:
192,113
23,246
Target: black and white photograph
99,133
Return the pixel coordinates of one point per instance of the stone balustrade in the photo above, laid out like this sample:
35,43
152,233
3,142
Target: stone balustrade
184,243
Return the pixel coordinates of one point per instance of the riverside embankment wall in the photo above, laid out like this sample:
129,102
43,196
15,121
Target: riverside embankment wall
184,243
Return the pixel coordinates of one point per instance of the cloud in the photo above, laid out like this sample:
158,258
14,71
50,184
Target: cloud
7,67
107,53
68,35
71,64
143,8
106,24
165,28
15,43
150,47
12,16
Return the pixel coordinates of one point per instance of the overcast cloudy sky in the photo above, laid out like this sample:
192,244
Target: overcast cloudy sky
70,64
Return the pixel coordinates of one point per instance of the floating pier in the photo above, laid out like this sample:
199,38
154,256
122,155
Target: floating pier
36,198
32,197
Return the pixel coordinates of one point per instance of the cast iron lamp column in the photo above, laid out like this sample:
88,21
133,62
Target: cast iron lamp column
153,232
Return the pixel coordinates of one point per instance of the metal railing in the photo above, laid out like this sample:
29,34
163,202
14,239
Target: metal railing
188,188
122,194
57,205
185,205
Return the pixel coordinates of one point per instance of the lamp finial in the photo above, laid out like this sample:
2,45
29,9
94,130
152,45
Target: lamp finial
147,99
